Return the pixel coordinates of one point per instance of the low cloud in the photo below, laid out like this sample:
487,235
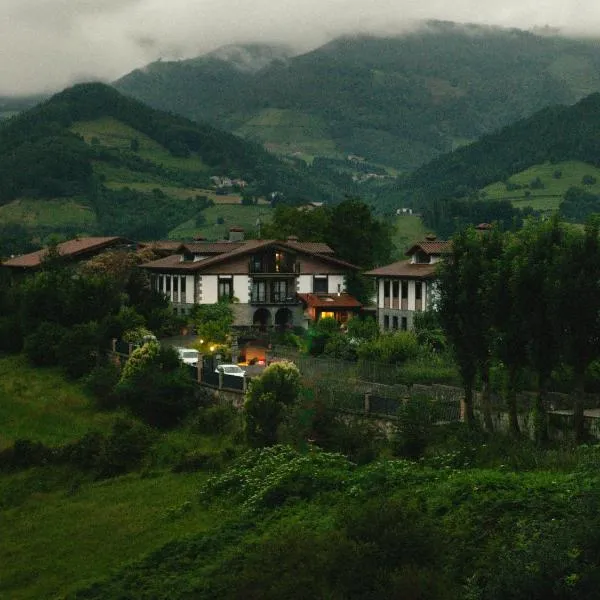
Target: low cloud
48,44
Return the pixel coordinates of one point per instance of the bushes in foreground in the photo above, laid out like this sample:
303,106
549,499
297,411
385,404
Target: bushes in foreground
315,525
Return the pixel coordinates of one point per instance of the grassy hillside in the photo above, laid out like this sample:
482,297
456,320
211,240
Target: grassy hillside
61,529
524,188
41,405
107,164
408,229
219,218
398,101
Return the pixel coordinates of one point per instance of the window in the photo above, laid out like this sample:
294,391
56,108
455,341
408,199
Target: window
161,283
225,288
394,322
327,314
279,291
404,323
168,282
259,291
175,288
395,289
418,290
404,290
386,289
386,321
320,284
183,298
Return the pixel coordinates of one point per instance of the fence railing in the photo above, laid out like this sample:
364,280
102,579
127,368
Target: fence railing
341,386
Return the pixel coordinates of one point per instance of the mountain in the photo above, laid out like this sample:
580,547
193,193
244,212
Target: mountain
554,134
110,164
395,101
535,162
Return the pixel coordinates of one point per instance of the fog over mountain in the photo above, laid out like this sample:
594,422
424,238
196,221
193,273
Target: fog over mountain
48,44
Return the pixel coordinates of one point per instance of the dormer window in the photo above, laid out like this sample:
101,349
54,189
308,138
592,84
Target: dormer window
422,258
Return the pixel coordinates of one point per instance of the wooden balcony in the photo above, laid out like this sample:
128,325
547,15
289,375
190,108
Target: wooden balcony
273,268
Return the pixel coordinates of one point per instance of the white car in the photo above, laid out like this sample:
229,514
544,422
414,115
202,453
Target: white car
234,370
189,356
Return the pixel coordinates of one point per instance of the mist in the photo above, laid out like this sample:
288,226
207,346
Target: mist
47,45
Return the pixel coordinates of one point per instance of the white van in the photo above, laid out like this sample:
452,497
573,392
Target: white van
189,356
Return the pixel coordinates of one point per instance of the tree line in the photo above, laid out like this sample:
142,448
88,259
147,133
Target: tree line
523,302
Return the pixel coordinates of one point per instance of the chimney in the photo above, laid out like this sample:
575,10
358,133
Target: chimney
236,234
431,237
292,238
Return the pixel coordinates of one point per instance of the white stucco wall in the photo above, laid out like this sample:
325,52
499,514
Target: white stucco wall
210,289
240,288
334,281
305,284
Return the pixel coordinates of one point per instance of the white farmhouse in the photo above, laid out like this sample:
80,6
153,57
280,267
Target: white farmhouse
407,287
273,282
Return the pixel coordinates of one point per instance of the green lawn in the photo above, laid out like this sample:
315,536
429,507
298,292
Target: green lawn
39,404
48,212
57,542
60,529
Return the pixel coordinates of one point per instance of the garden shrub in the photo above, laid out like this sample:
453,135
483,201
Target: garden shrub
268,400
101,383
413,428
219,420
79,349
156,386
268,477
42,346
392,348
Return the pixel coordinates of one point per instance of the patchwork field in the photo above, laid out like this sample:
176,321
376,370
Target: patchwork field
48,213
278,126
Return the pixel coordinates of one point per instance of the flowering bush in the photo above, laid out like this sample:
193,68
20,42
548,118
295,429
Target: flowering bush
267,400
270,476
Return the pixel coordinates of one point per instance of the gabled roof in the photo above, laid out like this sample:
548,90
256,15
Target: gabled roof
70,249
212,247
316,247
430,247
243,248
406,269
342,300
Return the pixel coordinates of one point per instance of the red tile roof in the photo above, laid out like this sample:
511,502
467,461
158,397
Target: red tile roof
68,249
330,300
404,268
313,247
429,247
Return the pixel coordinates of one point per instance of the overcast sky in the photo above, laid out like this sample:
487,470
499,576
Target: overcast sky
46,45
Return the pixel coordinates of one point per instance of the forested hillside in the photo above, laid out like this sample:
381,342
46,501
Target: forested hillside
532,164
397,101
112,165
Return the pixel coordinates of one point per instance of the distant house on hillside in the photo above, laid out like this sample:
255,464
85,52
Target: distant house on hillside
73,251
274,282
407,287
309,206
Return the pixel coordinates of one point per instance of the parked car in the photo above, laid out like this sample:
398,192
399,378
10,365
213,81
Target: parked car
234,370
189,356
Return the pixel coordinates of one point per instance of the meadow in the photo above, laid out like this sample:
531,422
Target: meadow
556,179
